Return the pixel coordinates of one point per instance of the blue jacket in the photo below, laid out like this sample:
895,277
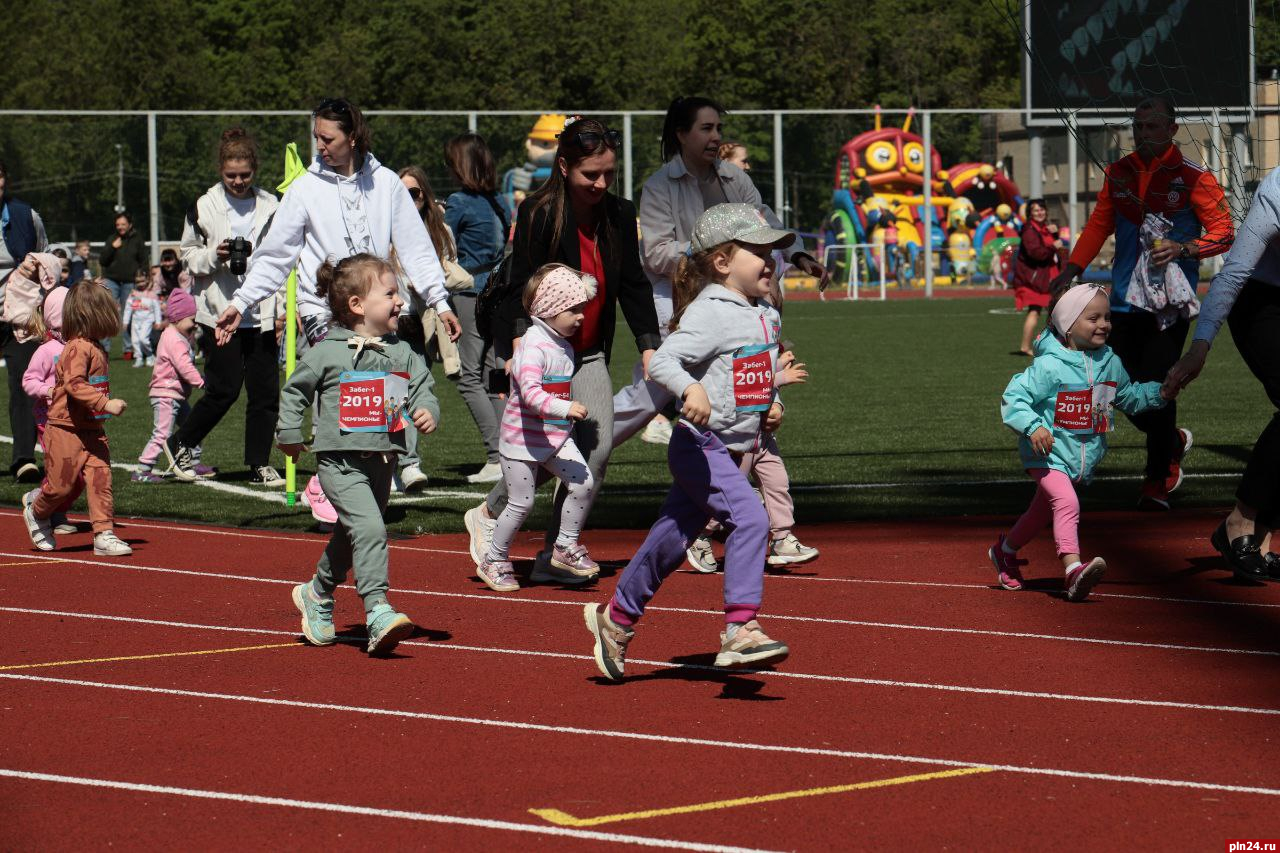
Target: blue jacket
478,233
1071,393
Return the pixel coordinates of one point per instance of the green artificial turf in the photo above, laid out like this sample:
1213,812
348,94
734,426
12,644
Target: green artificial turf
903,393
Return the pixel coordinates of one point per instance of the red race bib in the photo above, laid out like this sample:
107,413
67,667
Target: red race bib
753,378
558,387
103,384
1085,410
372,401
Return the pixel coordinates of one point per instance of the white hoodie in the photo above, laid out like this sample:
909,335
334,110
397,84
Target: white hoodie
312,226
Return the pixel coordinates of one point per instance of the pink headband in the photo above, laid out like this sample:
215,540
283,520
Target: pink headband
561,289
1072,305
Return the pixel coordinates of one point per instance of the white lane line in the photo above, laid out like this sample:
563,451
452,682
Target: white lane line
396,814
657,738
658,664
819,620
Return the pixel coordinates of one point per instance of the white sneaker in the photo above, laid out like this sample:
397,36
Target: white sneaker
151,362
265,475
481,531
412,479
701,557
137,362
657,431
40,530
789,551
490,473
107,544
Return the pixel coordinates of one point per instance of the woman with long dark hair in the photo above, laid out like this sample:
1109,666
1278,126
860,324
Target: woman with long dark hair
692,179
573,219
480,231
1035,268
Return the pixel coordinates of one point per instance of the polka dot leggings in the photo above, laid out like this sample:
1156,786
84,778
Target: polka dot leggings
521,479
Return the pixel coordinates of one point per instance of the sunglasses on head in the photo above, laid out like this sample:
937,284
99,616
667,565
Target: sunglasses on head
588,141
337,105
415,193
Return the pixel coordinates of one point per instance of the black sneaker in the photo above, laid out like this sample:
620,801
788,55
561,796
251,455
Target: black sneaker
181,463
1243,554
1272,558
265,475
28,472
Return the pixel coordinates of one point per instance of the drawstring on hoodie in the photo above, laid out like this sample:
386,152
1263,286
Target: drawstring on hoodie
360,342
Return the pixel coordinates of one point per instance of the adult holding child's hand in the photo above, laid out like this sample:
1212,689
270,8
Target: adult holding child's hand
1246,295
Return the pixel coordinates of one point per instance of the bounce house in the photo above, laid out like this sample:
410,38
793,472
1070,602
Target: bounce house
878,200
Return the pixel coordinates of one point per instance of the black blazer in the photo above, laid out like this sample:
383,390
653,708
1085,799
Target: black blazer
624,279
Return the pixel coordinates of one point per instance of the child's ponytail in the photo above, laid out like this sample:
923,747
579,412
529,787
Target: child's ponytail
337,282
694,273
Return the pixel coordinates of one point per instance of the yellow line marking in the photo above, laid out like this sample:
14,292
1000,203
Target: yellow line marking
34,561
563,819
149,657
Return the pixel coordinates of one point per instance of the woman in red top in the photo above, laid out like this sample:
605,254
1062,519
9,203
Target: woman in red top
573,219
1036,267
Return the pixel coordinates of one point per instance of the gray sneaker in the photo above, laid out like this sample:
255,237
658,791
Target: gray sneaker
39,529
750,646
611,640
789,551
386,629
701,557
317,615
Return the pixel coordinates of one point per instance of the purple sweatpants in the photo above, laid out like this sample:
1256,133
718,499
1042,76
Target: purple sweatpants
706,484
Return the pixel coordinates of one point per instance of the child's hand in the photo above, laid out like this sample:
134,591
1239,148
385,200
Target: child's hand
577,411
116,407
697,408
423,422
773,419
293,451
790,371
1042,441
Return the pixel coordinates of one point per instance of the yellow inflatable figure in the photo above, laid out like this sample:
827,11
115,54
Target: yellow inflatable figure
540,155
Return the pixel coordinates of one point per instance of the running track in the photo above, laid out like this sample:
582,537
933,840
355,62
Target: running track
921,708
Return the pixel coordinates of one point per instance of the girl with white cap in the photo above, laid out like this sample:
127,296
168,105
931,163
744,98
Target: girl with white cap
1061,409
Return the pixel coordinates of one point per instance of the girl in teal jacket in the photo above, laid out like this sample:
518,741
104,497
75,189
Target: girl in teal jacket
1061,409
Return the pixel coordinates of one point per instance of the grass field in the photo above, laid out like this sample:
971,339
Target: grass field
900,418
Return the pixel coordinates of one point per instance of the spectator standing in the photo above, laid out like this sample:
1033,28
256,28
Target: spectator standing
1035,268
123,255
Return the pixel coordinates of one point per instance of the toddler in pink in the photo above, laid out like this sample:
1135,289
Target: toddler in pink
38,382
535,436
174,376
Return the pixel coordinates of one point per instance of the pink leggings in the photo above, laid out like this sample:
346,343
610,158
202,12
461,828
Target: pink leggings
1055,499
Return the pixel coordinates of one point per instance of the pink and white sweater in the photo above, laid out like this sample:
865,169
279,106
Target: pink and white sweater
40,377
175,371
535,422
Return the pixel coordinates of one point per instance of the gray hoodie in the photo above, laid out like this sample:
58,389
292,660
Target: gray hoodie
731,347
319,374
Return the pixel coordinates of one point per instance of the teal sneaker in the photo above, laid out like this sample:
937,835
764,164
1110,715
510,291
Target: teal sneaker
386,629
317,615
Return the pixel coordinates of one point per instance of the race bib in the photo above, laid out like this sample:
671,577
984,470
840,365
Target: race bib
372,401
103,384
558,387
1085,410
753,378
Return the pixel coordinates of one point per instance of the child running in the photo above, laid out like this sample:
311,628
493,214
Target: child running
174,376
38,381
535,432
367,382
1060,408
720,359
74,442
142,315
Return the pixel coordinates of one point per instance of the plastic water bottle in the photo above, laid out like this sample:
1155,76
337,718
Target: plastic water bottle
1155,271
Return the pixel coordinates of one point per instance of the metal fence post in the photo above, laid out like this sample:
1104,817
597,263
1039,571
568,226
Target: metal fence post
628,167
1073,180
778,194
153,187
1035,159
926,214
472,122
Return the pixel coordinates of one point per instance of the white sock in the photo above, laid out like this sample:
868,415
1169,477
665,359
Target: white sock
1071,568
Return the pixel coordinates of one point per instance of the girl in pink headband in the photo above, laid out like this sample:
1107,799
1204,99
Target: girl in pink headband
1061,410
535,439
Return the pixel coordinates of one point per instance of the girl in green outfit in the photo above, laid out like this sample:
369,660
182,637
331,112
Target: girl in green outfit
370,384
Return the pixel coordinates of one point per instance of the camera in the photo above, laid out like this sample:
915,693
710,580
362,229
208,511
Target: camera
238,251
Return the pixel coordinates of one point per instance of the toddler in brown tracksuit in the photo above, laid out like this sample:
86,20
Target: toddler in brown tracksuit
74,440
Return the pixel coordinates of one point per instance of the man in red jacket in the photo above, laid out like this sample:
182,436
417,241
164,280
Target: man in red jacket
1155,178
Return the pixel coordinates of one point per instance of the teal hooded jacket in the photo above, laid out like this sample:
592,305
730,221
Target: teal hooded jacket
1072,393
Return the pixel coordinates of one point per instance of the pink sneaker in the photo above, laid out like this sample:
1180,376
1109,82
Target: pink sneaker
576,560
1007,571
498,575
321,510
1083,578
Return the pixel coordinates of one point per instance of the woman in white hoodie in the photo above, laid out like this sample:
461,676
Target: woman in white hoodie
345,204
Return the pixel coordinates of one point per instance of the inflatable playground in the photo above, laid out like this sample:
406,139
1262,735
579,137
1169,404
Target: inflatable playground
879,216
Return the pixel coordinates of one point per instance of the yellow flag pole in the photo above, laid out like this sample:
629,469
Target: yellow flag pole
292,169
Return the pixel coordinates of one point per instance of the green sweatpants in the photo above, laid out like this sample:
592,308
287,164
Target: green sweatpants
358,485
